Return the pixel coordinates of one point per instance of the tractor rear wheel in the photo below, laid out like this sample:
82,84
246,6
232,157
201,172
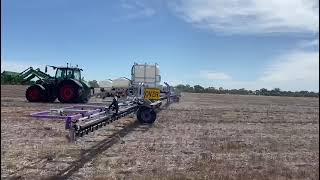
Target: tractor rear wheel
35,93
68,93
146,115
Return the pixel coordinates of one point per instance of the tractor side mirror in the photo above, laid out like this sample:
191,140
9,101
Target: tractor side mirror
46,69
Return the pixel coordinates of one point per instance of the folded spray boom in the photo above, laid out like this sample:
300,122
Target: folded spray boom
82,119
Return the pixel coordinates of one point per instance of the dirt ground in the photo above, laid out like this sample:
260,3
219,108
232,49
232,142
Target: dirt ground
205,136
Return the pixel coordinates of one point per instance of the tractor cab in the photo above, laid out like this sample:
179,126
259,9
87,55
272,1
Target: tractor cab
68,73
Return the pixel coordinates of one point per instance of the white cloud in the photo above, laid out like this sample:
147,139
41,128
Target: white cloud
311,43
297,70
251,16
137,9
212,75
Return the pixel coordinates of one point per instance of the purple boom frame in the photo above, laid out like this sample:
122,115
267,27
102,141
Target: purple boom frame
69,113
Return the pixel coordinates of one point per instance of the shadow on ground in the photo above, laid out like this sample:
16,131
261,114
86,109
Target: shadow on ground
97,149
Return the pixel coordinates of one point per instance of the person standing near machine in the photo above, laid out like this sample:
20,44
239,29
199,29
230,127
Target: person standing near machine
114,105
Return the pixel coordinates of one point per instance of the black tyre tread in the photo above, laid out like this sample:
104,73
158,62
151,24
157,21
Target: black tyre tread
42,93
76,99
141,120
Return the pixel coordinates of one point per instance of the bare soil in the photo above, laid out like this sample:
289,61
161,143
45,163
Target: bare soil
205,136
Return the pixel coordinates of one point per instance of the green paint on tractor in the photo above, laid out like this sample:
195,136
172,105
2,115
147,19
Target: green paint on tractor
67,85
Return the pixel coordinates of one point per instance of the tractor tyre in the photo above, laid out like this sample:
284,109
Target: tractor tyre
68,92
35,93
146,115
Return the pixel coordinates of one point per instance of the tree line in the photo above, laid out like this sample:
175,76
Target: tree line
242,91
8,79
12,80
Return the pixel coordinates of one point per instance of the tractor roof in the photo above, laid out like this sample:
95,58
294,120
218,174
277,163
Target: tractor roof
65,67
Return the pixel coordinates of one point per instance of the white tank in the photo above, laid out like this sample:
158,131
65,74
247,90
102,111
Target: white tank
105,84
121,83
148,74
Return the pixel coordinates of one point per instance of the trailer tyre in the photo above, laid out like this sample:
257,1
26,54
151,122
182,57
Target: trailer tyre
35,93
146,115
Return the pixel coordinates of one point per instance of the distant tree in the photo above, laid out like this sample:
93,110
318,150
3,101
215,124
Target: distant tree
10,79
263,91
181,86
275,92
189,88
233,91
210,90
198,88
242,91
277,89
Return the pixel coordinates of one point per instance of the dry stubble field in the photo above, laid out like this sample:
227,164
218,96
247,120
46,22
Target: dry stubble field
205,136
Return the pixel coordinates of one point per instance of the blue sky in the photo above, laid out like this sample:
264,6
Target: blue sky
233,44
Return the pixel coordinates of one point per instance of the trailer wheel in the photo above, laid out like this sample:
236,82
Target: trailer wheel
146,115
35,93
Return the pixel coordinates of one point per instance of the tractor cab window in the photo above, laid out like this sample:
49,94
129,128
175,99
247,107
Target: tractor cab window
70,73
77,75
61,73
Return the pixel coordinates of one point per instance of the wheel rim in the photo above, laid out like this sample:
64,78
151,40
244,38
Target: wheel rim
67,92
146,115
34,94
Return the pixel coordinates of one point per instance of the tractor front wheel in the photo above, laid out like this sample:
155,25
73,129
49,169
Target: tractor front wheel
35,94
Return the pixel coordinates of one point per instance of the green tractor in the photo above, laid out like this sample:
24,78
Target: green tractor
67,86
